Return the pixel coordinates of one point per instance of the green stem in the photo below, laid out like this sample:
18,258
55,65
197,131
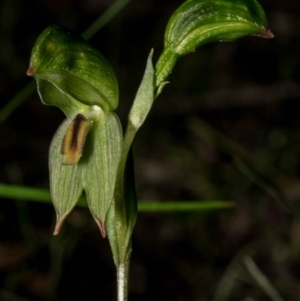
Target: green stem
122,279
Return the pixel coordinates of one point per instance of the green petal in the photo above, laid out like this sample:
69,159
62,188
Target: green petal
74,67
65,181
100,163
51,95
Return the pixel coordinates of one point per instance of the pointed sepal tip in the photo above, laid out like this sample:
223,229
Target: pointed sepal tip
59,223
31,70
102,226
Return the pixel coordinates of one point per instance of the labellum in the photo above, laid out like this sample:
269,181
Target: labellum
74,139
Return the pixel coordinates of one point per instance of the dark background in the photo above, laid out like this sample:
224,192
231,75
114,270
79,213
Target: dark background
225,101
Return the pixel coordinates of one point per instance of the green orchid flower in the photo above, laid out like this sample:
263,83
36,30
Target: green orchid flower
86,149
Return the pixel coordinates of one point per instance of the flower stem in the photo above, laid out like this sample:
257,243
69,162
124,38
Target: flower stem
122,278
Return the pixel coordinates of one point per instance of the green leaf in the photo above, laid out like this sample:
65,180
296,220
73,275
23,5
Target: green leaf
122,214
198,22
144,98
130,194
65,181
100,164
74,67
140,109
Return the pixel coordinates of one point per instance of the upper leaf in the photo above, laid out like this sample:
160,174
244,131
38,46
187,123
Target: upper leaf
64,61
197,22
144,98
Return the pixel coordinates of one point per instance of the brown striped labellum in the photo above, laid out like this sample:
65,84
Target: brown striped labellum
74,139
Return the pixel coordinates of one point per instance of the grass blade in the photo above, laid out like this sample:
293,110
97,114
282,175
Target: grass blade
17,100
23,193
183,206
261,279
105,18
